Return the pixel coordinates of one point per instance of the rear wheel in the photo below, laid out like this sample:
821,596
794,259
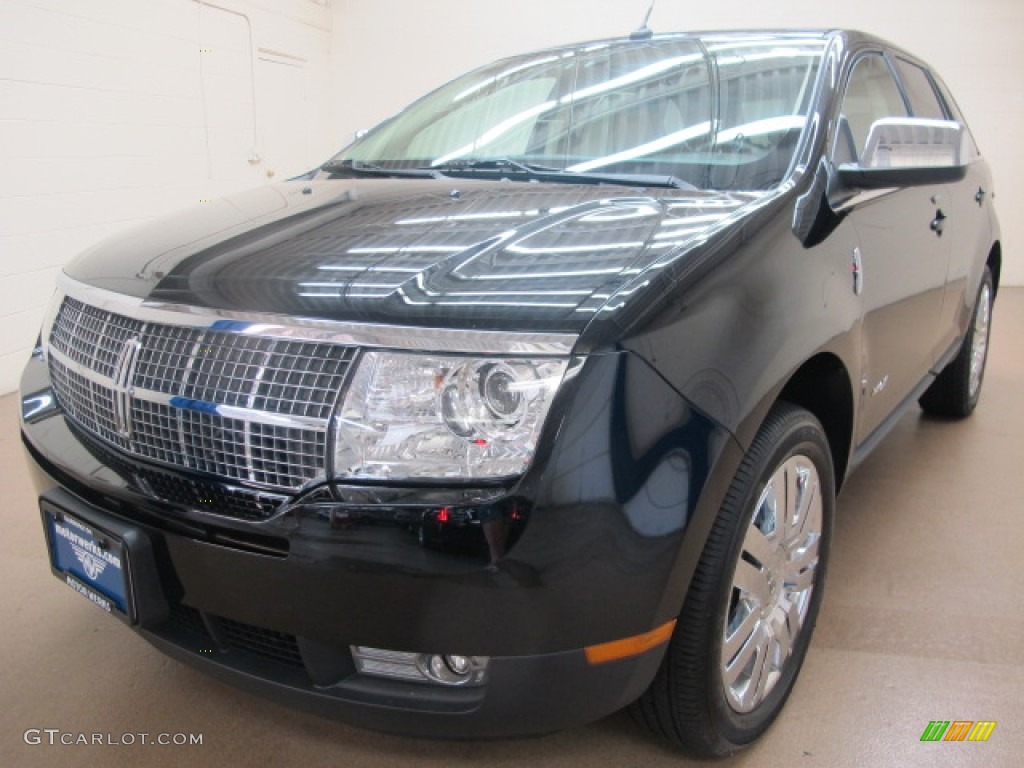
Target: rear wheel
750,610
955,392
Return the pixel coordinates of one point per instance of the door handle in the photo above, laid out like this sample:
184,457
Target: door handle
939,222
980,197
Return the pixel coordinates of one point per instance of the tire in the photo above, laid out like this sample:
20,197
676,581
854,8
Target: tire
957,389
698,701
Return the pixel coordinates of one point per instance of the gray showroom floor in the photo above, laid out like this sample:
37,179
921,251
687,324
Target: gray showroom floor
923,620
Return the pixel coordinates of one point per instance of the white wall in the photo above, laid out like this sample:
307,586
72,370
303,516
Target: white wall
109,116
391,51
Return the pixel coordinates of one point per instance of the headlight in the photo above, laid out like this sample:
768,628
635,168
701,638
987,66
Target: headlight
428,416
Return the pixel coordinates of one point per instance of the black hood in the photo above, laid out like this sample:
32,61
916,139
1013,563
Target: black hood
434,253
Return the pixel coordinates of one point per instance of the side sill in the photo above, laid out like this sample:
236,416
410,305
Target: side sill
882,430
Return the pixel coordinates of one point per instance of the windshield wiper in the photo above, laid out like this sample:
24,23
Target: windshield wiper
630,179
494,164
356,168
505,168
510,169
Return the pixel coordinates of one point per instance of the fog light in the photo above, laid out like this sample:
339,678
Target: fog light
436,668
452,670
457,664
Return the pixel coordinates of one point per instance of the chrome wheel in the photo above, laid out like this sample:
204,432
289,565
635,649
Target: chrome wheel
979,344
772,584
749,612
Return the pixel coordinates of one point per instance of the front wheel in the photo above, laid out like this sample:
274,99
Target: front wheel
957,389
750,610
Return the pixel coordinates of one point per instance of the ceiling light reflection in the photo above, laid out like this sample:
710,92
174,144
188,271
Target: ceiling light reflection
591,248
470,217
679,137
544,275
496,132
637,75
407,249
503,74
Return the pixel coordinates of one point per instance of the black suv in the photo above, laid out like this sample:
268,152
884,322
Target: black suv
532,403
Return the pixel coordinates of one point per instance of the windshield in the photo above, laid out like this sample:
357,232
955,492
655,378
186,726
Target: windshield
719,113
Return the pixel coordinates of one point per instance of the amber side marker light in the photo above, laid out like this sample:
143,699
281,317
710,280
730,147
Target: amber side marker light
629,646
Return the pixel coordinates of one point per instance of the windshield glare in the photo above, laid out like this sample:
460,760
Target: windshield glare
722,113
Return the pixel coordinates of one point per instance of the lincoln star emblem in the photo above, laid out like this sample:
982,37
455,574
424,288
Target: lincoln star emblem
124,373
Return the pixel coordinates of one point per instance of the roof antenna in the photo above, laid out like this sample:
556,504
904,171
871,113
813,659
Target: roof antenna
644,32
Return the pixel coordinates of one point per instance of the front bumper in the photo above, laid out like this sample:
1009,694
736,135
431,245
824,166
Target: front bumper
274,606
523,695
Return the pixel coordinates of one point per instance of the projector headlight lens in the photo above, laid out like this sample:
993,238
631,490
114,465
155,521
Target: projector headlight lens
409,416
500,393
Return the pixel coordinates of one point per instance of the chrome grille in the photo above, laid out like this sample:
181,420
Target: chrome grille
215,400
181,490
92,337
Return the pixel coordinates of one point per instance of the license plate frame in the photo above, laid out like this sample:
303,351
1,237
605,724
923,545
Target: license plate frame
92,561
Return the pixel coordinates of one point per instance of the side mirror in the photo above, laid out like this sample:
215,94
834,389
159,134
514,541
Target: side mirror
813,218
908,151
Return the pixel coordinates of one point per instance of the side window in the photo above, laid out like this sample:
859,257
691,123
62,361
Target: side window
871,94
920,91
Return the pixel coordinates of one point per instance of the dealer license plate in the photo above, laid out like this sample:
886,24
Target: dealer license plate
90,561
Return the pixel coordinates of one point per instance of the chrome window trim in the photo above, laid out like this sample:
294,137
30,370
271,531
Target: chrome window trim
436,340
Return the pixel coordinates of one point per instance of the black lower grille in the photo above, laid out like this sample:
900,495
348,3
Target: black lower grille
263,642
188,619
229,502
238,636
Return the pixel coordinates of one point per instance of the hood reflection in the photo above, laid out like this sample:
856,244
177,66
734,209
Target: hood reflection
565,253
496,256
